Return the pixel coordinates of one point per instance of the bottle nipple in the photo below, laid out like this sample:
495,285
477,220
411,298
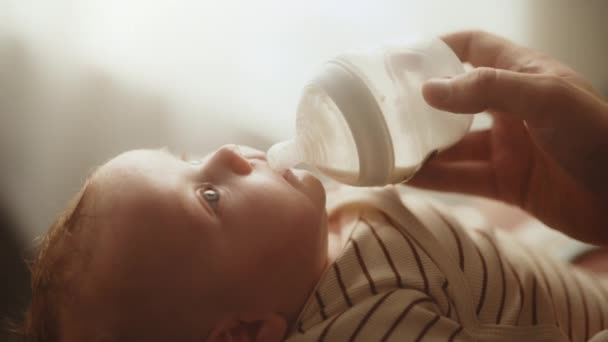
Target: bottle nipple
283,155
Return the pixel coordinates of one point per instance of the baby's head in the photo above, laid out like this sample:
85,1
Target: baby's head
156,248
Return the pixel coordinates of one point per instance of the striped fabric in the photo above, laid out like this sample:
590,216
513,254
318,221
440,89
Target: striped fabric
411,272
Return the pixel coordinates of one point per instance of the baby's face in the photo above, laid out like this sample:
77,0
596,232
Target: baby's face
227,224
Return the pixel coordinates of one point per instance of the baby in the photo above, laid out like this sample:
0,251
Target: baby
156,248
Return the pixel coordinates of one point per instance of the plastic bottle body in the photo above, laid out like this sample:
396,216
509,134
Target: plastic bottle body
363,120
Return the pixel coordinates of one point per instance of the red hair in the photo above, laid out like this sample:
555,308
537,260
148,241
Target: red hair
54,271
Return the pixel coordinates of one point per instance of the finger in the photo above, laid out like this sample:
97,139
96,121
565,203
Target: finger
474,146
495,90
483,49
470,177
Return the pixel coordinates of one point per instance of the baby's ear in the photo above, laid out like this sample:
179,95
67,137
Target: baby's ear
249,328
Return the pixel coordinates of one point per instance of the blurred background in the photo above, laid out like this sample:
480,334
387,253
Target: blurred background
82,80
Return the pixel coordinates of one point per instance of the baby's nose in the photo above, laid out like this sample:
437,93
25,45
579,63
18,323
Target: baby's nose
231,157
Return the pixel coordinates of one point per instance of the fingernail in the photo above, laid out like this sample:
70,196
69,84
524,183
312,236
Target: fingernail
438,89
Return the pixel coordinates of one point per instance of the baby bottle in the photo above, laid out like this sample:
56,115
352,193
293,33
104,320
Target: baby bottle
363,121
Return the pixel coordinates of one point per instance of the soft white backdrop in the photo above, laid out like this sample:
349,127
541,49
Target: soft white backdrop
81,80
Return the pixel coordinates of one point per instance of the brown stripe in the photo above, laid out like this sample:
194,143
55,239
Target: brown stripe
482,297
580,290
341,283
534,318
388,256
402,316
455,333
370,281
427,327
454,233
368,315
521,290
600,287
567,295
601,314
599,308
418,262
445,292
502,275
321,305
603,293
541,270
328,326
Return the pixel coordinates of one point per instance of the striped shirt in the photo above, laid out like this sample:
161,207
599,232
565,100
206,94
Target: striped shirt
411,272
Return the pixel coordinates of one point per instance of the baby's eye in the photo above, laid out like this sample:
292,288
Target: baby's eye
212,196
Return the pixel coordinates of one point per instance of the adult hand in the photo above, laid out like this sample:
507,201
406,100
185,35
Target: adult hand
547,150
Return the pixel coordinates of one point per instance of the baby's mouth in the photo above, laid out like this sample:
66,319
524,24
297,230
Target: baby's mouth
287,174
253,155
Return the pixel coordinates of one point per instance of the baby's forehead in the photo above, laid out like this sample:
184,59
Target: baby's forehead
135,163
128,202
133,181
143,188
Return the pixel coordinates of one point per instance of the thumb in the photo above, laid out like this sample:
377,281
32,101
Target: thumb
488,89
